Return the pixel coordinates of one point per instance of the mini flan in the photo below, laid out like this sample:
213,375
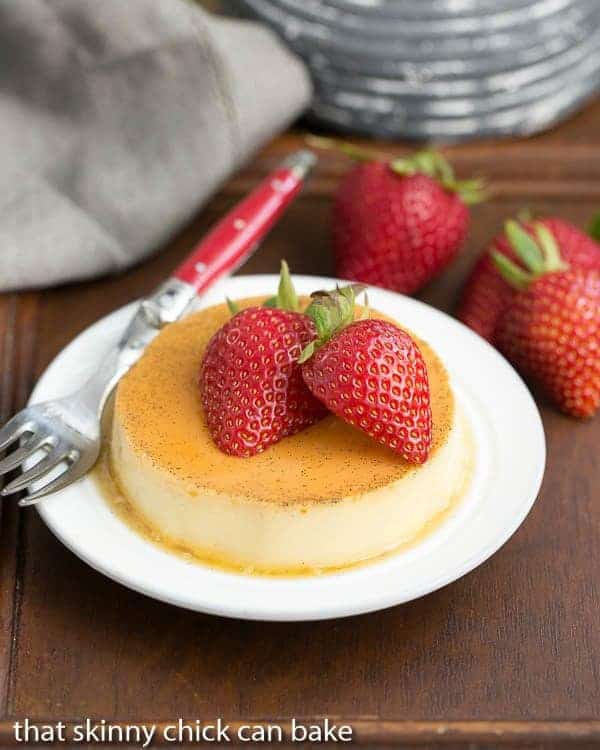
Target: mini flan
326,497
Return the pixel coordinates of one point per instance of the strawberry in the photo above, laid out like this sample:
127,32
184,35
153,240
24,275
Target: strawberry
398,223
371,374
551,332
487,295
250,380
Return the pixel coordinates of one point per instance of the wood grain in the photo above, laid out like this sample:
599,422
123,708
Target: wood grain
514,642
18,327
561,163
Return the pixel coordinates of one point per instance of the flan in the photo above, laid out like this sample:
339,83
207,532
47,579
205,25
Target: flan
327,497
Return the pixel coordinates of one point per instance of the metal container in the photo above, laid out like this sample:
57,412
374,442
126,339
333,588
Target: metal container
442,69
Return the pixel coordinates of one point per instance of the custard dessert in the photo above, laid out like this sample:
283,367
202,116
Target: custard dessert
326,497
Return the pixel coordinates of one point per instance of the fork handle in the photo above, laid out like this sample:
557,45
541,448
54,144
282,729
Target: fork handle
233,240
222,250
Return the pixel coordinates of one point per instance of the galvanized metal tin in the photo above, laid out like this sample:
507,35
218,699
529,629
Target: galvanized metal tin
442,69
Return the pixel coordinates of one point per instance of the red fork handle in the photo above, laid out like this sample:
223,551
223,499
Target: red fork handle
235,237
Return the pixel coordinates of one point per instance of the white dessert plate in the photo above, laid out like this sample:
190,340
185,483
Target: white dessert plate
510,457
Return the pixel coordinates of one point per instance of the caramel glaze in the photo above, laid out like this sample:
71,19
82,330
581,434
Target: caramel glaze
158,403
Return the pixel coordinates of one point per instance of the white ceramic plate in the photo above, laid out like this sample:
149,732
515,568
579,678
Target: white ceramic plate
509,467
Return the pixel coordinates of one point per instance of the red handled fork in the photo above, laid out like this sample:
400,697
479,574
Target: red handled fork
64,434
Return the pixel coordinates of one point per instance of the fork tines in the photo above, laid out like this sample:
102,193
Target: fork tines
32,441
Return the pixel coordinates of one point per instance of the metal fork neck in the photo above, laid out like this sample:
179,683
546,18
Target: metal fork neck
166,305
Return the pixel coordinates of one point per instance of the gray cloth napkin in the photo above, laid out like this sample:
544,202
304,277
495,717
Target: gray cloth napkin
118,119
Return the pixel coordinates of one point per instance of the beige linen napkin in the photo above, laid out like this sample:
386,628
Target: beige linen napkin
118,119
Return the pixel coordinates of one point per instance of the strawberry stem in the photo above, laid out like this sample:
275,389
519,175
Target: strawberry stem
525,215
358,153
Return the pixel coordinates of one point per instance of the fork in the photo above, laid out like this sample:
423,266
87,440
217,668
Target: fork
64,435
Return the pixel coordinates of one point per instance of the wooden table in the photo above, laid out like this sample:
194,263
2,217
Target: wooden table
509,654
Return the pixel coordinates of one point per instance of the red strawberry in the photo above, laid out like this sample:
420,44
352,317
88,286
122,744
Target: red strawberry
552,330
398,223
252,388
251,385
372,375
487,295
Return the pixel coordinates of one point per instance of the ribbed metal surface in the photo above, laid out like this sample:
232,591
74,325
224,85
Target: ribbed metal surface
442,69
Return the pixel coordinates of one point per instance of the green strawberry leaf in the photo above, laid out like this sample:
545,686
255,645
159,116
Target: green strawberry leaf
511,272
471,191
287,298
525,247
307,352
435,165
322,318
366,311
330,311
233,307
594,228
539,254
550,249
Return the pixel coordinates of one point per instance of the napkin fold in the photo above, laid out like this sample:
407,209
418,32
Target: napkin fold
118,120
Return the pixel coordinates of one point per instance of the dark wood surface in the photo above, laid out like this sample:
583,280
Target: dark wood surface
509,653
